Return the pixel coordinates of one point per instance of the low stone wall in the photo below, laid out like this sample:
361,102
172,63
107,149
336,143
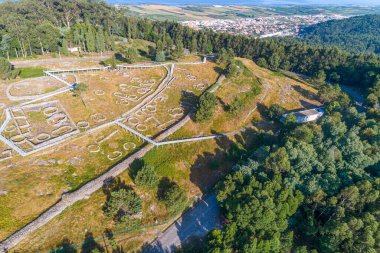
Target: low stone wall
83,192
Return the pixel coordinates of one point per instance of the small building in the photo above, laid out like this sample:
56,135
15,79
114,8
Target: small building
73,49
306,115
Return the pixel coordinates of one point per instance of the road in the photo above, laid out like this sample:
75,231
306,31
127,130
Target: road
197,222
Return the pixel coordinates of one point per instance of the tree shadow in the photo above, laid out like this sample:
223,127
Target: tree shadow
305,93
135,166
120,57
156,247
300,78
262,109
114,184
307,104
188,231
212,166
207,170
219,70
66,246
225,106
164,184
187,101
89,244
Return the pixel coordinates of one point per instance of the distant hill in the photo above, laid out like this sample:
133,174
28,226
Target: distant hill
355,34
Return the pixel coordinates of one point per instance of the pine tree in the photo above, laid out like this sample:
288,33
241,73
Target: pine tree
90,38
100,40
193,46
64,46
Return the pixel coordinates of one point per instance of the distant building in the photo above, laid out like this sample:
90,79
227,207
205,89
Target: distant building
306,115
73,49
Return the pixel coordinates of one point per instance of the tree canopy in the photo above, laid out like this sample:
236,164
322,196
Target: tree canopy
312,188
355,34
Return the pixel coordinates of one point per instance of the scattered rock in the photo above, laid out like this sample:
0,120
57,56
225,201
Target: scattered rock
3,192
42,163
74,161
137,216
52,161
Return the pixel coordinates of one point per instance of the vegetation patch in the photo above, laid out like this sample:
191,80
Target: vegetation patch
31,72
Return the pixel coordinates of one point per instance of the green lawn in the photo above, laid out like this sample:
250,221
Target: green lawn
30,72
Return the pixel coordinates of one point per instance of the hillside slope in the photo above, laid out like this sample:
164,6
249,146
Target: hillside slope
355,34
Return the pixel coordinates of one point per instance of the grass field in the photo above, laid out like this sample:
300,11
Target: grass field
30,72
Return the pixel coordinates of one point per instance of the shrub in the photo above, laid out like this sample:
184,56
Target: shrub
175,199
206,106
275,112
147,177
6,69
79,88
237,105
122,204
173,196
262,62
160,56
131,54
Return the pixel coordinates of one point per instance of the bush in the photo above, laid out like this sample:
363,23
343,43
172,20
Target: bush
173,196
131,54
122,204
79,88
237,105
160,56
206,106
6,69
262,63
224,56
275,112
147,177
234,69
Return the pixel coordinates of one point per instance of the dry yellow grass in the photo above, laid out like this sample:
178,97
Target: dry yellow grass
276,88
35,182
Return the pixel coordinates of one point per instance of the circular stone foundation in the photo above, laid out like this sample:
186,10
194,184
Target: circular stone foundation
114,155
83,124
99,92
129,145
98,117
93,148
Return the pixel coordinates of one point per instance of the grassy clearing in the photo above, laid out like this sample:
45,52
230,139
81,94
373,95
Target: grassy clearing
31,72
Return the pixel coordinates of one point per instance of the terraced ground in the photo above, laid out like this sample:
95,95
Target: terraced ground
149,101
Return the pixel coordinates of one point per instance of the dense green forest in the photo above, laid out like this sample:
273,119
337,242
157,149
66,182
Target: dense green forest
312,187
37,27
355,34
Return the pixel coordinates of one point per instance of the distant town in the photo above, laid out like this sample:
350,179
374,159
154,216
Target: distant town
278,25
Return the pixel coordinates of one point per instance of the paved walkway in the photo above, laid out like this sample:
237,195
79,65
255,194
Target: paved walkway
197,222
